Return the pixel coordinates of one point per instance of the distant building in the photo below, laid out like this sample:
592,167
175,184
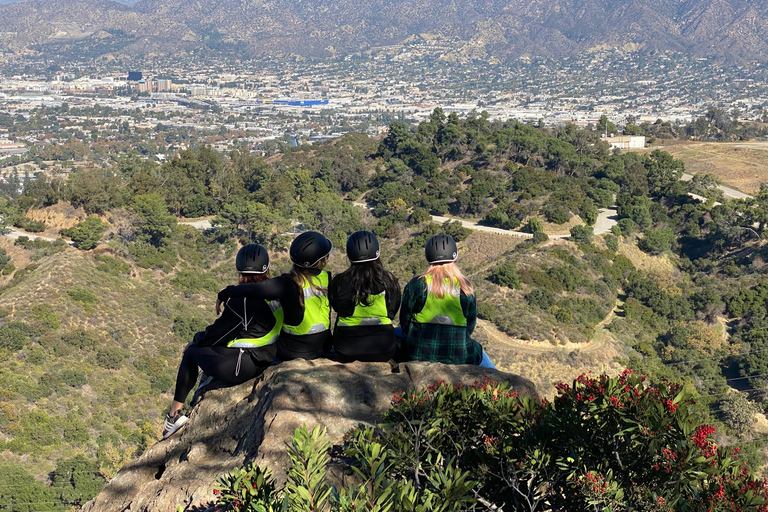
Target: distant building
626,141
163,85
145,86
135,76
9,147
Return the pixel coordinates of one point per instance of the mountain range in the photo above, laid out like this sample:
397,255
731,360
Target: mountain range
501,29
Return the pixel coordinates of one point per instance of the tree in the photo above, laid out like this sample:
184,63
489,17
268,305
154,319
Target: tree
95,190
87,234
581,234
605,126
657,241
155,224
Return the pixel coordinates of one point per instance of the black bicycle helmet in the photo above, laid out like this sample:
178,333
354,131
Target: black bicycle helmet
441,249
252,259
362,246
309,248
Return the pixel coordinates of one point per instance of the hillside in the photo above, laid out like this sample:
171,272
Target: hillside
91,334
505,30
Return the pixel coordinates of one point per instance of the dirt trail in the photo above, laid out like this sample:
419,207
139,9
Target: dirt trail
601,341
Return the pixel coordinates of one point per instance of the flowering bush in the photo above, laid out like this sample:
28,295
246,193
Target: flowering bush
609,444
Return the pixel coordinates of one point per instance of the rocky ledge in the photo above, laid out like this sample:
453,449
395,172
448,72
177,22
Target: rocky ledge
229,427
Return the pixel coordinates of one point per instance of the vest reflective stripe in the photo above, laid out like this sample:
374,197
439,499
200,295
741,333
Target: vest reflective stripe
317,310
375,314
267,339
445,310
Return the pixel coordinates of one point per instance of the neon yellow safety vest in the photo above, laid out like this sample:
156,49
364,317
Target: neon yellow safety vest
375,314
267,339
444,310
317,310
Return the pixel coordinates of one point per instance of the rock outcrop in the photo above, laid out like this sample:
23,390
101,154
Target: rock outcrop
231,426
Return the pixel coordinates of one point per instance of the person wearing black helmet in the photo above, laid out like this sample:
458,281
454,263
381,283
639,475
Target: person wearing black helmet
303,293
238,346
366,298
439,310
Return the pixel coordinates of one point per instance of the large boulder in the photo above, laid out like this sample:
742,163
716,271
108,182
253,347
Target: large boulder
229,427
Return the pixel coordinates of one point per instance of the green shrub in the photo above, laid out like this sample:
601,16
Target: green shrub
111,358
45,316
111,265
13,335
541,298
185,327
87,234
506,275
612,242
487,311
73,378
602,444
82,295
556,213
378,485
81,339
195,281
582,234
534,225
539,237
657,241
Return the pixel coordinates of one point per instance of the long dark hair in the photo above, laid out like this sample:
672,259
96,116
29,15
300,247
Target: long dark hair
365,280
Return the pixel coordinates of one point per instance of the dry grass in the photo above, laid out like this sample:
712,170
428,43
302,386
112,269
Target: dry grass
558,229
659,268
544,363
741,165
482,248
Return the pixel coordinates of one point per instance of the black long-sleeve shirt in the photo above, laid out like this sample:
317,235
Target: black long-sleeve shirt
362,342
284,289
241,318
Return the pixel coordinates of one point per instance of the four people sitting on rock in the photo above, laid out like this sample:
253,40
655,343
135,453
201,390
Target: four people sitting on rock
289,317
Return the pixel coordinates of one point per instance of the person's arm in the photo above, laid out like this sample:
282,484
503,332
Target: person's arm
470,312
413,302
271,289
393,299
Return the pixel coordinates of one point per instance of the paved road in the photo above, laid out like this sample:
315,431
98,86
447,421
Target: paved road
15,233
198,224
606,219
728,192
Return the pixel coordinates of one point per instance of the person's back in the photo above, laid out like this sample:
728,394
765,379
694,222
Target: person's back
439,311
439,328
238,346
303,295
366,299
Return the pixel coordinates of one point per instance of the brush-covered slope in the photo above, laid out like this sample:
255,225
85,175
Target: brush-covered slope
505,29
88,354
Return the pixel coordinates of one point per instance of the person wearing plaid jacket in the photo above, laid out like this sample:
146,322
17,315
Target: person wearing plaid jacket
438,312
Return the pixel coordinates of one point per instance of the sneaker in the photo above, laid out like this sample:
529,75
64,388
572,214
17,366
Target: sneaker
173,424
204,380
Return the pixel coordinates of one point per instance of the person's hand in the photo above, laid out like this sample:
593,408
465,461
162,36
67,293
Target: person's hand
218,307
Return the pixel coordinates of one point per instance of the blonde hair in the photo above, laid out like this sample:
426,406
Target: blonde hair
450,272
300,274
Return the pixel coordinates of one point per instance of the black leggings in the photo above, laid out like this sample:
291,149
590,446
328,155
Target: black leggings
221,363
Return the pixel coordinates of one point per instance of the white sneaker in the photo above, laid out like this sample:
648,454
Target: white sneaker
173,424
